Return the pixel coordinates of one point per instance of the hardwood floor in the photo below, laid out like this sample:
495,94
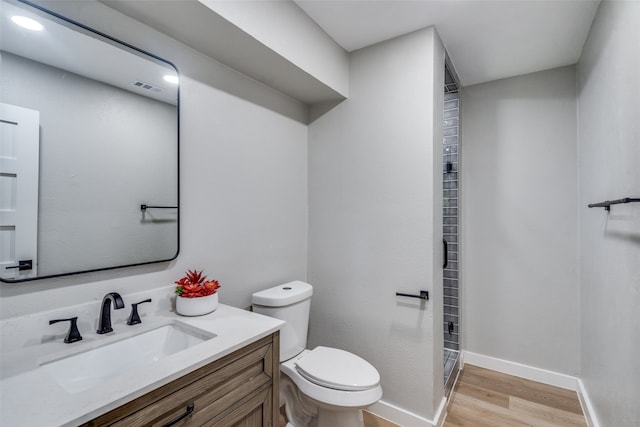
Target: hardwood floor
371,420
485,398
283,418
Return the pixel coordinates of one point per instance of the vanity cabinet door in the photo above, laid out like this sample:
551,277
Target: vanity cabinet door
240,389
254,411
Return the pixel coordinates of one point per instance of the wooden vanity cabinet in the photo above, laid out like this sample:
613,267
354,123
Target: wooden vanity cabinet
240,389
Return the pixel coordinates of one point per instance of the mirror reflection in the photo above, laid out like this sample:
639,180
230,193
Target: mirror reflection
88,134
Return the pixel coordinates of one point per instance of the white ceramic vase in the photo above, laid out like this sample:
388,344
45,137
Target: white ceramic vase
196,306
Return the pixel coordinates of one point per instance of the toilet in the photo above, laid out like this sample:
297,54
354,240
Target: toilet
323,387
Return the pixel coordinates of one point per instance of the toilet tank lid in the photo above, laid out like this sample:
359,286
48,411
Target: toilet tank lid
283,295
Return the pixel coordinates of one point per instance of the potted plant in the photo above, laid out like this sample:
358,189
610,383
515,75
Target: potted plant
196,295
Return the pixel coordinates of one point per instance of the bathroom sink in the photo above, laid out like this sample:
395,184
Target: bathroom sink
86,370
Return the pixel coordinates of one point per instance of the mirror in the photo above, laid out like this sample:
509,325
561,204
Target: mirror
88,149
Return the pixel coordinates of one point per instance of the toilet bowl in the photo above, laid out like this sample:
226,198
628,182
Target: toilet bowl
323,387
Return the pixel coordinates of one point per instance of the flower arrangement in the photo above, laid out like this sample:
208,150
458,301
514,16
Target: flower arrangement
195,285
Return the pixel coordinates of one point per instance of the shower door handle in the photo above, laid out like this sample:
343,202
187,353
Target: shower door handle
445,247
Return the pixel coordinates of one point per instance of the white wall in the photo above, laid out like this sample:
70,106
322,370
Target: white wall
609,158
520,242
374,215
243,182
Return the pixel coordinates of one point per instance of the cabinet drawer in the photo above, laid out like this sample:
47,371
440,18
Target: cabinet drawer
252,410
213,391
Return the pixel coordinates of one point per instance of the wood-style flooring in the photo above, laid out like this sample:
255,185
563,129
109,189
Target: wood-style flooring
371,420
485,398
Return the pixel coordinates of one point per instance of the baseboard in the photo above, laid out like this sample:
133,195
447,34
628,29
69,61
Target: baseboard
587,406
536,374
406,418
441,412
523,371
443,415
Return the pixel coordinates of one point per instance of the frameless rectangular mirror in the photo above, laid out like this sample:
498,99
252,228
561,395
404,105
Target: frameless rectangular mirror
88,149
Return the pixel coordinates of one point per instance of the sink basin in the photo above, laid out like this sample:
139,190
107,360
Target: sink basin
88,369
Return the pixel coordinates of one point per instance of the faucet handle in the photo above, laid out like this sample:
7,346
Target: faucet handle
74,334
134,317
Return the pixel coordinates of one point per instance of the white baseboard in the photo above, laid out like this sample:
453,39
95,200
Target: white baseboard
587,406
523,371
536,374
406,418
441,412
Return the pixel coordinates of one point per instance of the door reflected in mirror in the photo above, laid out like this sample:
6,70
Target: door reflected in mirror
88,135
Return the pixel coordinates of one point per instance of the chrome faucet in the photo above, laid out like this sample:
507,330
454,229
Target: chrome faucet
104,322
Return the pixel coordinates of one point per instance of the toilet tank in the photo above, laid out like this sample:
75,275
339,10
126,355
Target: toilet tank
289,302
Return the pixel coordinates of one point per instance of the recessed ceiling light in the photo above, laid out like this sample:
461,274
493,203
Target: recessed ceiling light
171,79
28,23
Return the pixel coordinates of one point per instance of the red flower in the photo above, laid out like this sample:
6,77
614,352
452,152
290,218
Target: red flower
193,285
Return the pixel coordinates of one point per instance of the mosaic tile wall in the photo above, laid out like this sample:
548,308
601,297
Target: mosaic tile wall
450,218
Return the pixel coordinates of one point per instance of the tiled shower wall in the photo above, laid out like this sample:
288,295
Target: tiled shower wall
450,218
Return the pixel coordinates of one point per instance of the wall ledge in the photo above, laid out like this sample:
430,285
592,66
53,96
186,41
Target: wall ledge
204,30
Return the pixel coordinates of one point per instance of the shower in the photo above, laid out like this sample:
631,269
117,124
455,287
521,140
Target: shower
450,226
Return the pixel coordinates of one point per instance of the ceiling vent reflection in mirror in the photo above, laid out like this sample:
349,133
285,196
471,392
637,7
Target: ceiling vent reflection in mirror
146,86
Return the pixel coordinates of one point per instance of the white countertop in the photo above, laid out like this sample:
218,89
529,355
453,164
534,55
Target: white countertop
30,397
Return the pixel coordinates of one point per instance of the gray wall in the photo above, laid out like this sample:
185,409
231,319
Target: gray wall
375,216
609,148
243,184
103,152
520,242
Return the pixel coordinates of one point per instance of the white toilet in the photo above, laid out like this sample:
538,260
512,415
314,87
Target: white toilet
323,387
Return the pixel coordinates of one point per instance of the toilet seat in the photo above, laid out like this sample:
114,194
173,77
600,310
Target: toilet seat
337,369
326,395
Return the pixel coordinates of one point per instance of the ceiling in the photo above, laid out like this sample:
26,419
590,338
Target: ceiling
67,47
486,40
